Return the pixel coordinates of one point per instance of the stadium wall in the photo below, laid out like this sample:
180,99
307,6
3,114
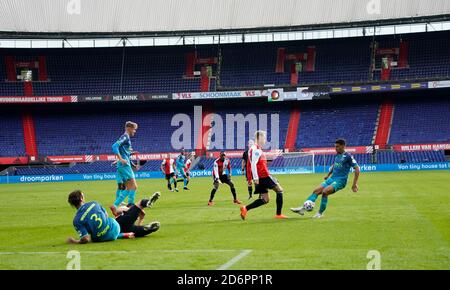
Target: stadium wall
208,173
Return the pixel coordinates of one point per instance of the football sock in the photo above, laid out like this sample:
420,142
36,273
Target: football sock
213,192
123,194
185,182
250,190
169,186
255,204
313,197
233,192
279,201
118,193
323,204
131,196
175,183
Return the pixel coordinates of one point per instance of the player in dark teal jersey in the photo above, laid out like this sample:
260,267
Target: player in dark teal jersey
180,163
126,180
92,223
335,180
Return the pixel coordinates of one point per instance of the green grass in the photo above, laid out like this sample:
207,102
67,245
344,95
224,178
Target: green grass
405,216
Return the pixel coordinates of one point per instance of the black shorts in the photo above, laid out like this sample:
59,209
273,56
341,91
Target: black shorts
224,179
170,175
265,184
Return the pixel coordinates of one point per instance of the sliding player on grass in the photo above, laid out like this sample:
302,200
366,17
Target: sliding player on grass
92,223
222,174
126,180
335,180
168,168
259,173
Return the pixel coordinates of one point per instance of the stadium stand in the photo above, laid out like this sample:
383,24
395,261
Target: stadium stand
87,136
94,71
321,123
421,122
11,135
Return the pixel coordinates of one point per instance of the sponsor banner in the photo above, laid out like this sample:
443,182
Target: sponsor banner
301,94
439,84
239,153
421,147
124,98
208,173
378,88
331,150
217,95
110,157
37,99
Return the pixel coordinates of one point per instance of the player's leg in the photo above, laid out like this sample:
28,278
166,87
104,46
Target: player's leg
279,200
174,180
334,187
230,183
169,181
122,194
324,200
249,185
120,187
250,189
129,217
186,180
213,192
142,231
131,188
262,200
313,197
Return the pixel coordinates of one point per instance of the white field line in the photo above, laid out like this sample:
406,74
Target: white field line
234,260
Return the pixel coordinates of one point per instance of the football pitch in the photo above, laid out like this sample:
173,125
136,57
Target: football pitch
404,216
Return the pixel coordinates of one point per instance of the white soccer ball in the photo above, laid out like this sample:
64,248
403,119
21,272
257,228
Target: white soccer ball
308,205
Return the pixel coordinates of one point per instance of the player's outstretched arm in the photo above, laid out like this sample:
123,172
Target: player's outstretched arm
83,240
355,179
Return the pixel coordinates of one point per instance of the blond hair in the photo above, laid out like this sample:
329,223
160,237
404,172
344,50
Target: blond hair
130,124
260,133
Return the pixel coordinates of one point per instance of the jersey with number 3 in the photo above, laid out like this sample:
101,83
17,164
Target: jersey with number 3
92,219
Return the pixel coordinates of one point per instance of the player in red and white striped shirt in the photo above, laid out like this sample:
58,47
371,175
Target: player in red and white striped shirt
222,165
259,174
168,168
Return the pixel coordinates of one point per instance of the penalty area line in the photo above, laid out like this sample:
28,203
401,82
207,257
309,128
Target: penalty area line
234,260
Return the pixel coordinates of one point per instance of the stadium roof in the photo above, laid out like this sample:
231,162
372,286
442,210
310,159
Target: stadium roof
177,17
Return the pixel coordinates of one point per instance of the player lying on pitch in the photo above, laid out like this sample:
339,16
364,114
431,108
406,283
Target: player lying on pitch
258,172
92,223
335,180
222,174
